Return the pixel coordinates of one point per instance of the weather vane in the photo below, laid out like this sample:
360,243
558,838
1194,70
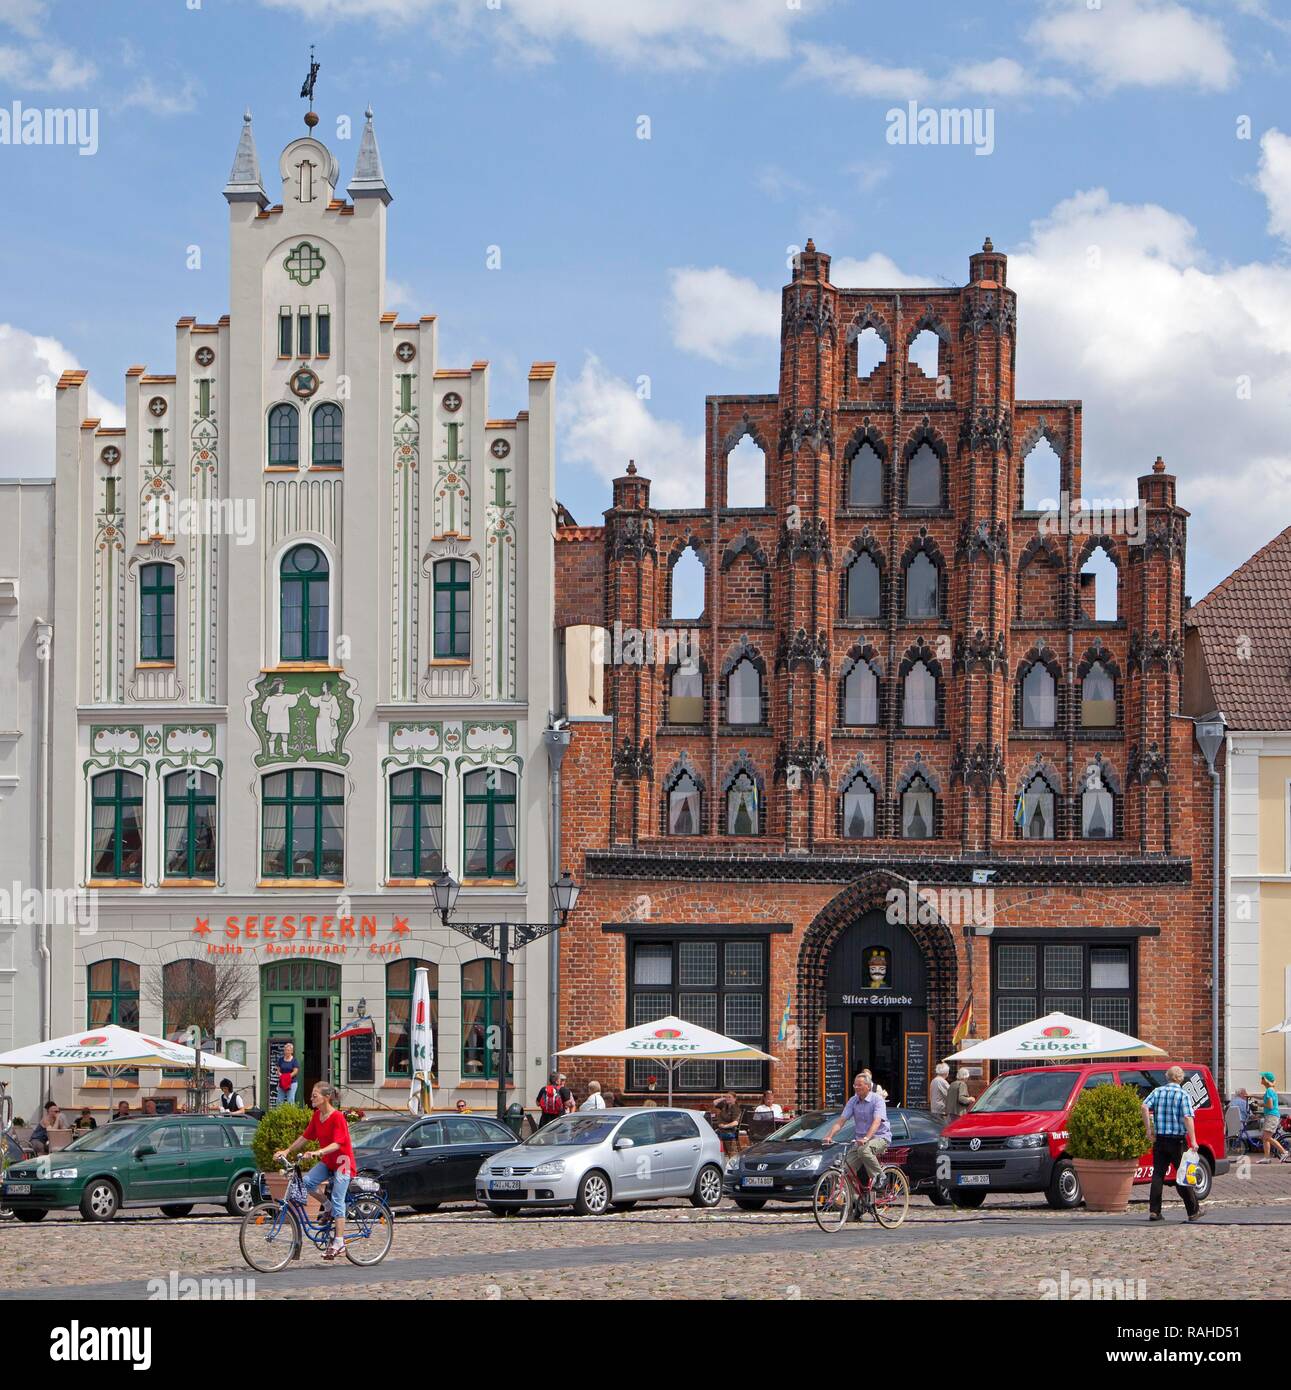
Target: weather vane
307,89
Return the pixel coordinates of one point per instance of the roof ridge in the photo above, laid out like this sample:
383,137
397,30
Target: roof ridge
1221,589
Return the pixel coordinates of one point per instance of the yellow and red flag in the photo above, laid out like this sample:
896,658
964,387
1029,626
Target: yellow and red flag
964,1024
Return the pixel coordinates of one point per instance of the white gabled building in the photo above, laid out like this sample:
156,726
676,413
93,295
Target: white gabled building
303,661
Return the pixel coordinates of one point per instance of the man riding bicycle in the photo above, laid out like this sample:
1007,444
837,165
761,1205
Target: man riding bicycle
335,1157
868,1113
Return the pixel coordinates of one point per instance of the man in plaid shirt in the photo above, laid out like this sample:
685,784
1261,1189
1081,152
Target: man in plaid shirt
1168,1112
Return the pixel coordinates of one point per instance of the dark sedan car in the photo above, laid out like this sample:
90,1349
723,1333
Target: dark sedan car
784,1167
428,1160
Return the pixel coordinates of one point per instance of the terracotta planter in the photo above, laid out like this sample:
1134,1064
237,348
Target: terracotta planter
276,1186
1106,1183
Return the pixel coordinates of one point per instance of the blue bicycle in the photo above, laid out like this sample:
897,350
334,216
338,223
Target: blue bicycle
273,1232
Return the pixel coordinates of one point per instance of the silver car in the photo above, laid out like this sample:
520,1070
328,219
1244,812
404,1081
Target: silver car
602,1160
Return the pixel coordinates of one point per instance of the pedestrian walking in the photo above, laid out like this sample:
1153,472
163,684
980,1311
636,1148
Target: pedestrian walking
552,1100
1168,1113
288,1075
595,1100
562,1082
1271,1120
958,1099
230,1102
937,1089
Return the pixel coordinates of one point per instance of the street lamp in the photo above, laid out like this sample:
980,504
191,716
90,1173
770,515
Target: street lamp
1210,733
504,938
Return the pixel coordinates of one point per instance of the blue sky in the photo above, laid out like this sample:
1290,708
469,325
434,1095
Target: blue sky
1116,128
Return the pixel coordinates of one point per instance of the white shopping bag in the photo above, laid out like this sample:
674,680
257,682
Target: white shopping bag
1188,1171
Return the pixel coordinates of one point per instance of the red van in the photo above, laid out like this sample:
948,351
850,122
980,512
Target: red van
1014,1139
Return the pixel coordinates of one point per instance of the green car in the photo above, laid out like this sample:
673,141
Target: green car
171,1162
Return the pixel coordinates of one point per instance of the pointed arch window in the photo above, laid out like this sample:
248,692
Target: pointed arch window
860,695
742,805
864,589
923,478
744,694
1034,811
858,809
684,806
919,698
1098,698
918,811
865,478
1039,698
1097,808
327,446
304,579
686,695
921,587
284,436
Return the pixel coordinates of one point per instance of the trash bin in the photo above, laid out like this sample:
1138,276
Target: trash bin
515,1117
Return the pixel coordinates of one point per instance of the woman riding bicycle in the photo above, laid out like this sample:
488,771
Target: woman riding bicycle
869,1115
335,1157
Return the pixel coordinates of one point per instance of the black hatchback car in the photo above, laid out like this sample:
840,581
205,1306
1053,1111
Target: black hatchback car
423,1161
785,1166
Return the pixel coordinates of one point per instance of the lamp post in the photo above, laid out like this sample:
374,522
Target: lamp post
1210,733
504,938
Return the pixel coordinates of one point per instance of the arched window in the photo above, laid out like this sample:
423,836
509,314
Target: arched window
686,696
303,825
1097,808
865,477
483,1004
871,352
117,826
863,587
452,580
861,695
188,1000
1039,699
157,612
416,824
1100,588
925,352
746,475
112,996
489,795
284,437
858,809
1041,478
744,694
921,600
1098,698
1033,813
683,806
919,698
328,451
190,825
742,805
918,808
686,599
303,604
401,978
923,478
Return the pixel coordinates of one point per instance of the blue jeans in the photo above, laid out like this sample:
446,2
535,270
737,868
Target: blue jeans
318,1175
287,1097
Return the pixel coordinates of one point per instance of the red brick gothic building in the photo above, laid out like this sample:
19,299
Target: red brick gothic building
903,682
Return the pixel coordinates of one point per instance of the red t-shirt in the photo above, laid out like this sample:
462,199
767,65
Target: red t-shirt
333,1130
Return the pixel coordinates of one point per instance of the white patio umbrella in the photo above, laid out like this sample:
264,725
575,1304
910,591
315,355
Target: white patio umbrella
1056,1037
671,1041
116,1050
421,1042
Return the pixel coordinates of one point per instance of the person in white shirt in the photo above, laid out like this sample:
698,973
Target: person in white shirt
878,1090
768,1109
595,1100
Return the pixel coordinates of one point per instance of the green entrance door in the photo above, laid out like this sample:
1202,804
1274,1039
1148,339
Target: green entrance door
300,1003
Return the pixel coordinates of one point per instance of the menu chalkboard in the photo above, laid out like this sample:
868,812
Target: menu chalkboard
362,1057
918,1047
833,1069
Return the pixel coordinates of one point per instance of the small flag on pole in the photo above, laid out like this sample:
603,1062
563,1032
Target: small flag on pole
964,1024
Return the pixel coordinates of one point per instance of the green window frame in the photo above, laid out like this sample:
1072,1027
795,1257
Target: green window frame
190,825
482,1005
110,496
454,435
112,996
327,433
204,398
405,393
324,331
157,612
452,610
159,448
303,598
284,331
116,810
401,977
284,436
416,824
304,332
489,836
303,825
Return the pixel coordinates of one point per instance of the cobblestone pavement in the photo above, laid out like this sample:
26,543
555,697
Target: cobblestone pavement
1007,1249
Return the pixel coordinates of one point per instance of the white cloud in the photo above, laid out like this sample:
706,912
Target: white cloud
29,370
859,76
1274,181
161,100
43,67
399,294
713,312
875,272
1137,43
604,423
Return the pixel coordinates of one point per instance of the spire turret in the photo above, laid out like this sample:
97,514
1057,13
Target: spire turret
369,180
244,183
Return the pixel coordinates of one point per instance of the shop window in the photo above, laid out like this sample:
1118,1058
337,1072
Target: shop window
483,1005
112,996
401,977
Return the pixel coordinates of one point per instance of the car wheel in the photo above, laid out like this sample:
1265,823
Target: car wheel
179,1210
1063,1192
100,1200
243,1195
624,1206
750,1203
938,1195
708,1187
30,1213
969,1200
1205,1179
593,1194
425,1208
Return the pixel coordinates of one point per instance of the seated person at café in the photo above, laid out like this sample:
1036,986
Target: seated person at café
123,1110
726,1121
85,1120
768,1110
48,1120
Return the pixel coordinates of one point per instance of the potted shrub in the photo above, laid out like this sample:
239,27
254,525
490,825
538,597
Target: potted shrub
1106,1138
279,1129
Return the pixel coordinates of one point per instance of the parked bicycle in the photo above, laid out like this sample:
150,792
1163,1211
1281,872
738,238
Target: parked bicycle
840,1194
273,1232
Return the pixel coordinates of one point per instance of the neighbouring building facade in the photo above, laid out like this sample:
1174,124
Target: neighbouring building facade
303,662
897,750
1239,665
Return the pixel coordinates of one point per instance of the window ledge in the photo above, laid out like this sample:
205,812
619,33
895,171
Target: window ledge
287,668
409,883
300,883
326,468
189,883
154,665
449,661
489,882
114,883
99,1083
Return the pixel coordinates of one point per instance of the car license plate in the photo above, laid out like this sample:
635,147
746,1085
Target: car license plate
17,1189
974,1179
758,1182
504,1187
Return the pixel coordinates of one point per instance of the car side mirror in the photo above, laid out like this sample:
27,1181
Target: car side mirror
144,1150
623,1142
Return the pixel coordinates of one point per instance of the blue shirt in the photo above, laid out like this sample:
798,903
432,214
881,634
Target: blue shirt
1271,1106
862,1113
1170,1106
